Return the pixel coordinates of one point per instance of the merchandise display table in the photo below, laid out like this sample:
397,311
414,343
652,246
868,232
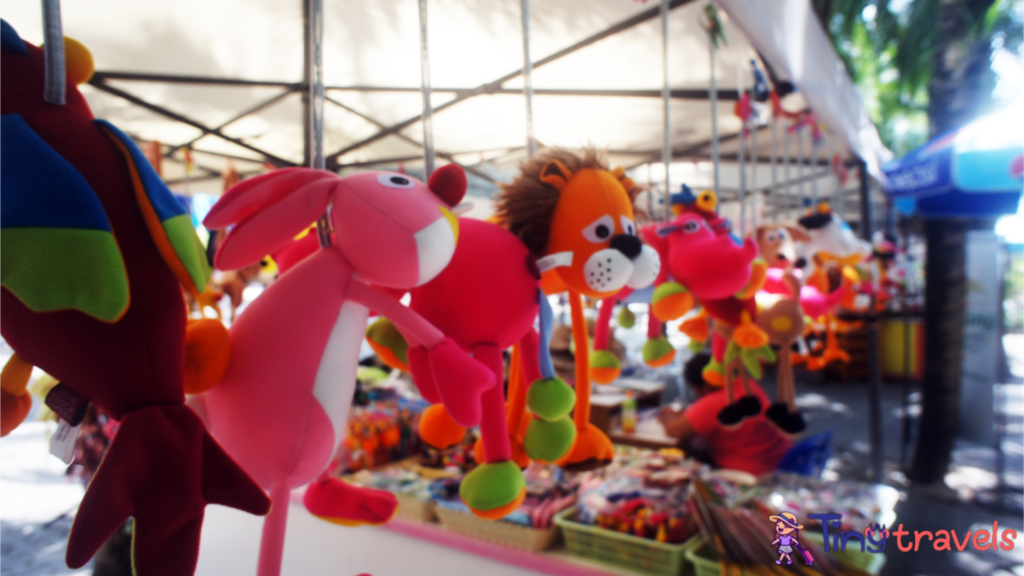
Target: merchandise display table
230,545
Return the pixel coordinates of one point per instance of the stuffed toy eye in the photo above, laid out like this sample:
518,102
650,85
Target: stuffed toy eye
773,237
600,230
691,227
395,181
627,226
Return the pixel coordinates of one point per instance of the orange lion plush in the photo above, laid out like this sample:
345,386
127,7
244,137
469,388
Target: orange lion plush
575,215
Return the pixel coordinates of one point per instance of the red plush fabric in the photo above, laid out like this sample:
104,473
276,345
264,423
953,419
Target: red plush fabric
163,467
487,294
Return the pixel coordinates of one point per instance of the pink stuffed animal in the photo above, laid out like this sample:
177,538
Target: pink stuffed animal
282,407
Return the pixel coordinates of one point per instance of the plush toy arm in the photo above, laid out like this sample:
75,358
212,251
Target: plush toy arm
459,379
409,322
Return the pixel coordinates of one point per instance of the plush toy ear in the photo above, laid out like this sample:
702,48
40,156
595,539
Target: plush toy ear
620,174
653,237
269,210
556,174
798,234
449,183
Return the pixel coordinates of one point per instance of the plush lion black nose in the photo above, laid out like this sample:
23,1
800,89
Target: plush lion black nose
628,245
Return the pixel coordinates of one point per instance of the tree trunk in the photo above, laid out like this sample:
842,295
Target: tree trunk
960,89
945,291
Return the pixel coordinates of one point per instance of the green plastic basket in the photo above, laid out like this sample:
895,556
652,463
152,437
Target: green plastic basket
705,565
640,554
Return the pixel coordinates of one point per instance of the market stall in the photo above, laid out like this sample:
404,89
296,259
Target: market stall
766,171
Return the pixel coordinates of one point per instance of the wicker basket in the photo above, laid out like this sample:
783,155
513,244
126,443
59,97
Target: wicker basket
504,533
640,554
705,565
412,508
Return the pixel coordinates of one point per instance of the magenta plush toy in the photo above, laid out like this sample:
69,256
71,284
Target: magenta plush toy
722,274
282,407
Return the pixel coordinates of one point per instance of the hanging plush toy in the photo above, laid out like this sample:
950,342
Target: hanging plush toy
832,246
723,276
283,404
487,300
782,319
94,252
575,217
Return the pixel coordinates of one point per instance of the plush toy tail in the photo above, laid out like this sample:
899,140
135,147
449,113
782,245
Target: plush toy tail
163,468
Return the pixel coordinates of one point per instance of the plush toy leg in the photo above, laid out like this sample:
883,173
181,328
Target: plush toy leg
657,351
496,488
782,413
604,366
272,542
515,408
162,468
419,367
15,401
463,383
550,434
341,503
714,372
593,449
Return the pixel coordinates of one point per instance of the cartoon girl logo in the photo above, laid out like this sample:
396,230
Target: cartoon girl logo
786,532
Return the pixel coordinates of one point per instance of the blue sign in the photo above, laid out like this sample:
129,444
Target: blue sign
976,171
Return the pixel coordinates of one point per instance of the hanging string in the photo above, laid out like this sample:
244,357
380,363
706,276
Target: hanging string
53,53
547,320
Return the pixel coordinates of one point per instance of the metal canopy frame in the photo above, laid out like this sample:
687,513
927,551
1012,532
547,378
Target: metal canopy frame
101,81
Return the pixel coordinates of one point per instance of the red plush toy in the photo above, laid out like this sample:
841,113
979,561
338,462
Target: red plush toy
95,248
711,266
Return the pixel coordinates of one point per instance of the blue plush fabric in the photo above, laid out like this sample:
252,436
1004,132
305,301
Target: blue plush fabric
39,188
9,39
164,203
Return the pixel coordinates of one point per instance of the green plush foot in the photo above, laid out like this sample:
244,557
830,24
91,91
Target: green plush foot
548,441
494,490
626,318
604,367
550,398
714,373
671,301
658,352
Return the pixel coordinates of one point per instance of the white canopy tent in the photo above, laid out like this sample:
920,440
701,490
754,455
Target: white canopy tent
226,78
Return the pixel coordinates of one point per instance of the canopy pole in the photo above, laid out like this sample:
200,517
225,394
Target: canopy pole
786,173
874,354
755,208
428,109
775,168
801,168
531,141
813,161
741,156
314,103
666,95
713,97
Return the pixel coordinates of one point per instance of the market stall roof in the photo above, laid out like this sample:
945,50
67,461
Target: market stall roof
226,77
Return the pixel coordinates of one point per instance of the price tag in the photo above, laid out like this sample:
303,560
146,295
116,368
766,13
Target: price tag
62,444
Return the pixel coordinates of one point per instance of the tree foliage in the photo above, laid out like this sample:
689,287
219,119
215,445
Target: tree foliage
890,48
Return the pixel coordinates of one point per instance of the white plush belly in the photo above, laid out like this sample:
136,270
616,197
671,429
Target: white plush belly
336,375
